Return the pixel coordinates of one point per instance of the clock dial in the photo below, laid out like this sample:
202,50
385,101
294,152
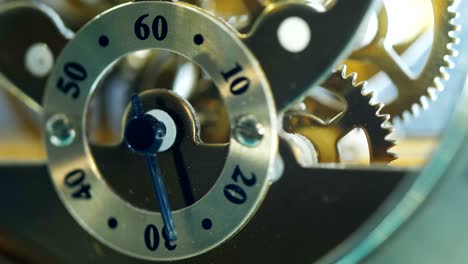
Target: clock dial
242,182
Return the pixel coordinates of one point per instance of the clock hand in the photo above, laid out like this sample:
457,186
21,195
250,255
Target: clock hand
137,106
184,180
162,196
144,134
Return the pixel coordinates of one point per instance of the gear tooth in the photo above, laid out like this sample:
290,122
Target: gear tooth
362,86
340,68
353,77
444,74
391,155
451,51
422,105
432,93
415,109
397,119
454,40
453,27
448,62
376,123
442,52
369,94
345,74
425,102
379,107
391,143
407,115
453,14
389,132
391,140
438,85
343,69
453,30
387,125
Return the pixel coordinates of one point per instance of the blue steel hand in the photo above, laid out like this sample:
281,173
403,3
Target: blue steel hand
155,173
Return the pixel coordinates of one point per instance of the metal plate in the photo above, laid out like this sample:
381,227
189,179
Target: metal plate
108,38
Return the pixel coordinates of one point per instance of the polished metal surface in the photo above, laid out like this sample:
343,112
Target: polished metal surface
327,204
423,221
182,164
313,208
89,49
38,24
359,113
415,87
289,80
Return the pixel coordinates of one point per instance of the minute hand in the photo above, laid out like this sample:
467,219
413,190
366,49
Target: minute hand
150,156
162,196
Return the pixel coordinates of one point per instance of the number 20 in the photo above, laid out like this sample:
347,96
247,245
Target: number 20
233,192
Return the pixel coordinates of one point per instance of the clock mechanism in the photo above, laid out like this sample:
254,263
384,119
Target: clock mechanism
215,131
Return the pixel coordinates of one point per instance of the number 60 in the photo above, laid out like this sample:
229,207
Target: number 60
159,28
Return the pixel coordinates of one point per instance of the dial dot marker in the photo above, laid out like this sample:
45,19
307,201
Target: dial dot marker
198,39
103,41
207,224
112,223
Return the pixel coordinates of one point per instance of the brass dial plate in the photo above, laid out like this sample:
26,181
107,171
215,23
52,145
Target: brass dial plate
86,195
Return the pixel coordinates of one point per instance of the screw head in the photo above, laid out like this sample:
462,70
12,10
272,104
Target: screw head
60,131
248,131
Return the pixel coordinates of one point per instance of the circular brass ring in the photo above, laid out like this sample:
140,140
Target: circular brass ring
188,31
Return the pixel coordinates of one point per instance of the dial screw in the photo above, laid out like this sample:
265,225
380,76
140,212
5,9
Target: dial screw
248,131
60,130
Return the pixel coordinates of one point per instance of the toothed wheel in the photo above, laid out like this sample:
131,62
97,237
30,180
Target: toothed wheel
413,89
358,113
174,137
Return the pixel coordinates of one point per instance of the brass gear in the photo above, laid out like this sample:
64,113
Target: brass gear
359,113
412,89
